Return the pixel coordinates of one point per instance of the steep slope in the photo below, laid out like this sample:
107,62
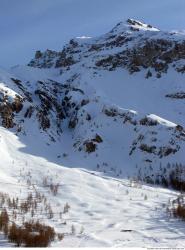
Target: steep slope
99,95
104,211
93,128
86,120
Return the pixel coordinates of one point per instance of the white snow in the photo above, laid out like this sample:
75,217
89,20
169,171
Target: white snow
107,207
104,207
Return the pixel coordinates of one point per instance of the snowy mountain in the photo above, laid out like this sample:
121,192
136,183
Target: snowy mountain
34,25
111,107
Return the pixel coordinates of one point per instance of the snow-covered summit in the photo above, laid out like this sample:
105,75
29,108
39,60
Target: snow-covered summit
87,93
132,45
133,25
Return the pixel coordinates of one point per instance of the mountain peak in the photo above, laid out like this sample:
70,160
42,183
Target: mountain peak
133,25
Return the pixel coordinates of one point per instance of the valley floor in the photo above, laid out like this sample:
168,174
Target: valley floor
104,211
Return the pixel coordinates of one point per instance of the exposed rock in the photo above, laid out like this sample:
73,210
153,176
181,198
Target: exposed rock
178,95
7,115
38,54
110,112
88,117
146,121
29,112
148,74
90,146
73,122
147,148
17,105
179,128
43,120
64,62
97,139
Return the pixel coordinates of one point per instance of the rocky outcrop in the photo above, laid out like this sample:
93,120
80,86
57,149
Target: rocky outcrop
53,102
132,45
44,60
178,95
91,145
8,109
156,54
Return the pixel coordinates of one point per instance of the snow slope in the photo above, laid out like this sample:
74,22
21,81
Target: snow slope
105,207
92,118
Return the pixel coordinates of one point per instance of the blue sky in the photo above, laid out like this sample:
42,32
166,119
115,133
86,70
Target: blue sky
29,25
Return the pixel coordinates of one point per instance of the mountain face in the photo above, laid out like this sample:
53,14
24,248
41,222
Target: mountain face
113,103
81,132
133,46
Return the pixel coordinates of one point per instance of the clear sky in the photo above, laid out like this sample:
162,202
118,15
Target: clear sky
29,25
